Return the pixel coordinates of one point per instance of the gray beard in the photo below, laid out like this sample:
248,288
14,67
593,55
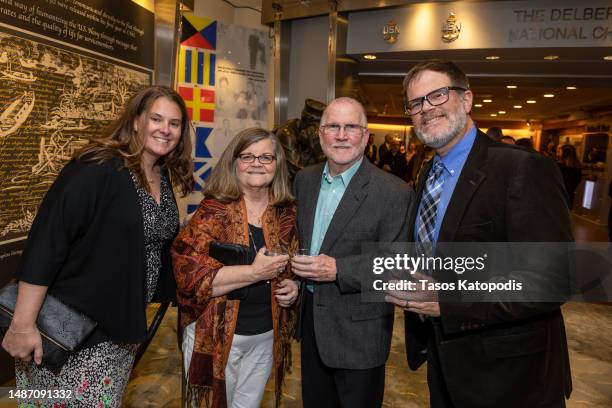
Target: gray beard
457,127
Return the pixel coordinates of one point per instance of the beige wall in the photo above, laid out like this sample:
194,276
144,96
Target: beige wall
224,13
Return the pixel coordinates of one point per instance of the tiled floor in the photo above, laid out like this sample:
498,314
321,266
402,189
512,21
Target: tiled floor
156,382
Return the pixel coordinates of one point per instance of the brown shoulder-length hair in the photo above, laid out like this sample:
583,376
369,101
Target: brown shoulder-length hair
223,182
123,141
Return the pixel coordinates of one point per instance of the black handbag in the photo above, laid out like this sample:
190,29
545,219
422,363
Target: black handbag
233,254
62,328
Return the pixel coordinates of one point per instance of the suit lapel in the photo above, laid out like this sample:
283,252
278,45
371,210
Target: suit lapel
352,199
469,180
309,198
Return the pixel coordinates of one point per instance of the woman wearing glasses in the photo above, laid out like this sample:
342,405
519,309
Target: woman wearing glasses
231,343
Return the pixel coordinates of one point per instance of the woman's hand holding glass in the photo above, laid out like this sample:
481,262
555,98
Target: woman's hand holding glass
266,267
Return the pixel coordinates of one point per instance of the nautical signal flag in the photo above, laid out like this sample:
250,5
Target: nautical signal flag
201,171
201,134
199,32
196,67
200,103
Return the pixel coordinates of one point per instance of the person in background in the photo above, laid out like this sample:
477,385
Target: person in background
411,152
394,161
385,147
571,171
495,133
551,149
100,243
525,143
370,150
236,320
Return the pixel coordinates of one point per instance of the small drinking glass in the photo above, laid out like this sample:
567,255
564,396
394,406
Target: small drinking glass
302,252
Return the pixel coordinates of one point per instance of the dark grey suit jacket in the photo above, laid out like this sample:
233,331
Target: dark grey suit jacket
350,333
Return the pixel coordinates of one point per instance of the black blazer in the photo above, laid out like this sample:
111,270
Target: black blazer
87,245
499,354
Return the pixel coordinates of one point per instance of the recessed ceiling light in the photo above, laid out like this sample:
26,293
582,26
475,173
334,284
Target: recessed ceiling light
549,95
531,101
487,100
571,88
608,57
493,115
511,86
478,105
551,57
502,112
492,57
518,106
369,57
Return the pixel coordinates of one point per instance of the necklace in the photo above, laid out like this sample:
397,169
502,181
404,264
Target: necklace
257,218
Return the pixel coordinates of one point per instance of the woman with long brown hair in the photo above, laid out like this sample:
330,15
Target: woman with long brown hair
237,319
100,244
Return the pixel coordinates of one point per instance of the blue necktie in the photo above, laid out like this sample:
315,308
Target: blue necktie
428,209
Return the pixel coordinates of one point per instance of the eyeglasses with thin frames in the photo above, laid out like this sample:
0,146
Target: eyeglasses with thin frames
333,129
435,98
250,158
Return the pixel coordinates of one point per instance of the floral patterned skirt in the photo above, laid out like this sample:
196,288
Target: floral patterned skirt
94,377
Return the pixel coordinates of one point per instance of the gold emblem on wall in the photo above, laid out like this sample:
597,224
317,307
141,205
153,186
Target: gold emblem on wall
391,32
451,28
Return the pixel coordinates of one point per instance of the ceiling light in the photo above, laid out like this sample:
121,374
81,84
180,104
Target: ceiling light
551,57
492,57
369,57
608,57
571,88
478,105
487,100
518,106
531,101
549,95
511,86
502,112
493,115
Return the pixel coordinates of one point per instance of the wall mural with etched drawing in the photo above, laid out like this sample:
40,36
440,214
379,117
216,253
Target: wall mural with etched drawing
51,102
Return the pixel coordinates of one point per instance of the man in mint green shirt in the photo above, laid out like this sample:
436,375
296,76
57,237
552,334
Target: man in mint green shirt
342,204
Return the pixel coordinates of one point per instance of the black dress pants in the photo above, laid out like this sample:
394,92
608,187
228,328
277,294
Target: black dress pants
326,387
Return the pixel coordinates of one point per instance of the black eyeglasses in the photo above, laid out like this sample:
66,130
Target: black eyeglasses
333,129
250,158
435,98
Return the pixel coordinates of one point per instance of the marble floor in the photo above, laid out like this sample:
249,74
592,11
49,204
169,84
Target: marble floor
156,381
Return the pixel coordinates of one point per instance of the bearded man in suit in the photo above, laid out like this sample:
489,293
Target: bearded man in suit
481,354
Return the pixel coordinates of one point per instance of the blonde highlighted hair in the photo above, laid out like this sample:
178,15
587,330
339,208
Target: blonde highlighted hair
223,183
